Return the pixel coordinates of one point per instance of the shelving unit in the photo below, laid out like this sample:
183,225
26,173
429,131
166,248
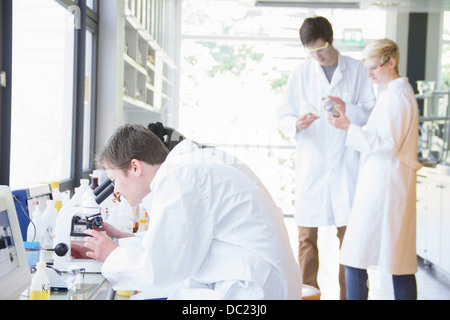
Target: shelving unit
147,65
138,47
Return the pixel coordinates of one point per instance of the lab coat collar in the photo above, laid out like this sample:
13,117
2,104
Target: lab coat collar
397,82
341,66
184,147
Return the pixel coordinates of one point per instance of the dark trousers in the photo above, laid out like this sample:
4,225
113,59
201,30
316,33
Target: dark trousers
405,287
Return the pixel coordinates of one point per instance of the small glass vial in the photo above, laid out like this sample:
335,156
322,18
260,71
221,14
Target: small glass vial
330,106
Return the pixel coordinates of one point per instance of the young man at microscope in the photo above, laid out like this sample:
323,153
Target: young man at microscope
214,231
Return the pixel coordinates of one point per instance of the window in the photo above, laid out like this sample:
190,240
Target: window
42,92
89,85
445,58
236,60
51,40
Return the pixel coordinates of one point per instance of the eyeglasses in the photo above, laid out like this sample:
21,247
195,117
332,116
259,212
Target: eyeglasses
375,68
320,49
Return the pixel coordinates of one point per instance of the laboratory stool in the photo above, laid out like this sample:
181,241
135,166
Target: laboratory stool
310,293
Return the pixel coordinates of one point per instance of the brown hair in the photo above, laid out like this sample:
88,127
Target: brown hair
316,28
132,141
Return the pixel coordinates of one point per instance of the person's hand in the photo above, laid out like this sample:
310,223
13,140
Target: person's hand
305,121
341,122
339,103
78,250
99,244
112,231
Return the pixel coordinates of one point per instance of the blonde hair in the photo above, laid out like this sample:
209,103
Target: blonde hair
384,49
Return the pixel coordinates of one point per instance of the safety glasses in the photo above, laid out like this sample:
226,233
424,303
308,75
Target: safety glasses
318,49
375,68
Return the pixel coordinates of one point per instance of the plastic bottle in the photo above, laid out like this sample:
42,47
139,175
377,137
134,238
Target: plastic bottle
113,216
136,219
125,216
77,197
84,185
94,183
40,284
88,204
56,195
34,231
49,217
65,197
143,219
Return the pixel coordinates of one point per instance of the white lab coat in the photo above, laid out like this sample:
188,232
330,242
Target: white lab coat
326,170
215,233
382,227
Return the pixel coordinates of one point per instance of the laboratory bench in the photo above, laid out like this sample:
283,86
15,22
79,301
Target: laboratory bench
433,216
89,286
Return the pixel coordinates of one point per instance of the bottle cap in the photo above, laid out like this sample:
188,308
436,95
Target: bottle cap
41,266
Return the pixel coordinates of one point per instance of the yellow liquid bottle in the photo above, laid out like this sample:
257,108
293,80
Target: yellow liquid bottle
40,295
40,285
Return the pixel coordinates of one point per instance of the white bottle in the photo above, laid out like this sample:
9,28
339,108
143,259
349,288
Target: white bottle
125,216
113,216
40,285
57,196
34,231
49,217
88,204
77,197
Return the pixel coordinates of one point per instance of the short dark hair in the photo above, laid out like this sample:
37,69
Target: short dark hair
128,142
316,28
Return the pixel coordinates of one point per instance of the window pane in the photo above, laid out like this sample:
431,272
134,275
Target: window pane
240,18
445,58
243,18
42,92
90,4
87,103
230,89
236,60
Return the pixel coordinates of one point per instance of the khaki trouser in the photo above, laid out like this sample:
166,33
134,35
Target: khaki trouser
308,257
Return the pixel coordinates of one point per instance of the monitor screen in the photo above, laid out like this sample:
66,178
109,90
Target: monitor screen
15,274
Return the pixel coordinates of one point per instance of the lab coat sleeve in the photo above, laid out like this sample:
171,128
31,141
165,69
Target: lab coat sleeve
384,138
288,110
359,111
178,239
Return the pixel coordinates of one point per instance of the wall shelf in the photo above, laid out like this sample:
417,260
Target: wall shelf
136,63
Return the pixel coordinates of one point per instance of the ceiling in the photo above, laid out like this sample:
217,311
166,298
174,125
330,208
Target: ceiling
396,5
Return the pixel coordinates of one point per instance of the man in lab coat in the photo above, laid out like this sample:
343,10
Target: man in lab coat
326,170
214,231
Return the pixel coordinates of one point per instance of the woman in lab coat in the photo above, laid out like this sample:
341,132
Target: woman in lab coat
382,226
214,233
326,170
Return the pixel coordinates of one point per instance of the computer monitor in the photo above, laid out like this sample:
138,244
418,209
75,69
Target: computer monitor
15,276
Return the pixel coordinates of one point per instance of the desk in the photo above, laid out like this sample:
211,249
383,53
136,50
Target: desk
91,287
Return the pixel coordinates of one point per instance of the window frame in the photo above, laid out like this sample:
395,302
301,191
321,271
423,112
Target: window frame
88,21
5,92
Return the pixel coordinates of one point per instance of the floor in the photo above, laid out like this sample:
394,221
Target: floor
432,284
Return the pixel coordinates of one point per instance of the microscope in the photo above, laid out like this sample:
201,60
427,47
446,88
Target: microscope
69,229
